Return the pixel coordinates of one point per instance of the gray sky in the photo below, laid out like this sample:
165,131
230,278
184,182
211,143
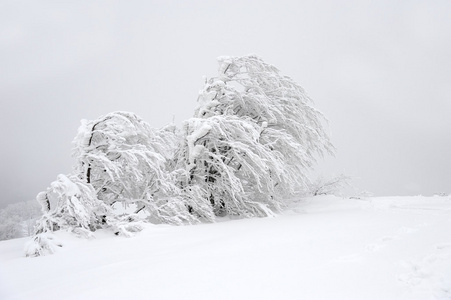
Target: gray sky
379,70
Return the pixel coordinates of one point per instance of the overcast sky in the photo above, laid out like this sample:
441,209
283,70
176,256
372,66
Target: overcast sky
380,71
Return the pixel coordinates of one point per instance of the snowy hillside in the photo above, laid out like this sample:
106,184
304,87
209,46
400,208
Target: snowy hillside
320,248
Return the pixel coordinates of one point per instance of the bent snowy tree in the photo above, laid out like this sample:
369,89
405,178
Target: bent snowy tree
253,138
127,161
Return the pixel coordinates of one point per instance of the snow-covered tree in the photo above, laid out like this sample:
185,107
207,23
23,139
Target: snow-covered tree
120,160
18,219
237,173
127,161
10,227
253,138
121,156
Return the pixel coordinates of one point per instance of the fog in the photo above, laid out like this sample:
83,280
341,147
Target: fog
380,71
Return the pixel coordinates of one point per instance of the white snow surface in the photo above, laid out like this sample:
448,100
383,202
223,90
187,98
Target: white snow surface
323,247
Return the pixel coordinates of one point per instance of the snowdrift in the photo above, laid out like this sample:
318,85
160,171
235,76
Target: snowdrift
320,248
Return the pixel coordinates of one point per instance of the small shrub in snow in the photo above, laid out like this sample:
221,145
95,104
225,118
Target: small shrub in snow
76,206
76,209
330,186
41,244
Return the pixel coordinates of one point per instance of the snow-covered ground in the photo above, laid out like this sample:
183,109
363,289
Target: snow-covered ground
321,248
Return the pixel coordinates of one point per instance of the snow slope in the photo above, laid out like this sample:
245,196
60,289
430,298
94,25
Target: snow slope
320,248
